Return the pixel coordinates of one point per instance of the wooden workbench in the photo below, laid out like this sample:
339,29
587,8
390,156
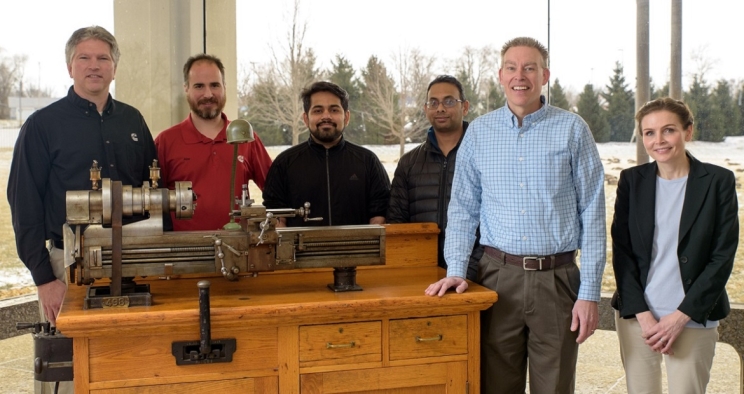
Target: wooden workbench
293,334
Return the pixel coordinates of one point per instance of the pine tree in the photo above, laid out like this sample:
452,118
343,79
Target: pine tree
380,100
620,106
593,114
494,96
342,74
659,93
558,96
469,91
724,113
739,102
698,99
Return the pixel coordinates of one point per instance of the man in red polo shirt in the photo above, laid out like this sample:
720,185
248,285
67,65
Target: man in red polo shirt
196,149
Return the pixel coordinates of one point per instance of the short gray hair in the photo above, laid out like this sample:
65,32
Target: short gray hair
526,42
92,32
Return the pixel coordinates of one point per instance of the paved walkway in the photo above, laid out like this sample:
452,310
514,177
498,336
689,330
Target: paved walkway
599,370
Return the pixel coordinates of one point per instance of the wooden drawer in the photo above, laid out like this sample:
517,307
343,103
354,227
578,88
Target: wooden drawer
330,344
150,357
265,385
433,378
428,337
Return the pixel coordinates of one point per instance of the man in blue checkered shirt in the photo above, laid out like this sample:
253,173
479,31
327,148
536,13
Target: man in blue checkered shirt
531,176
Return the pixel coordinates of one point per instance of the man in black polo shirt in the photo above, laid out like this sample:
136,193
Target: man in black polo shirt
54,152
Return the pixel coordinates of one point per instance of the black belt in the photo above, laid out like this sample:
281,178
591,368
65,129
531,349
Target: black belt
533,263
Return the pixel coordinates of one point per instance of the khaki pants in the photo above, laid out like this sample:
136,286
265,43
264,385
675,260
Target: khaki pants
56,258
688,369
532,317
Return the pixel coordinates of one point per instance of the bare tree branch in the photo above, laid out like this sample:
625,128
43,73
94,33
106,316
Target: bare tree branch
702,61
11,73
398,107
276,87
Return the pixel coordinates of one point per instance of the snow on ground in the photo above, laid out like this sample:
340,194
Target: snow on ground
615,157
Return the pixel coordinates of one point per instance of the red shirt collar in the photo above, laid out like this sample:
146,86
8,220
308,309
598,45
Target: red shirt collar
193,136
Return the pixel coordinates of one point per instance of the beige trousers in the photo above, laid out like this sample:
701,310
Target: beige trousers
57,259
532,317
688,370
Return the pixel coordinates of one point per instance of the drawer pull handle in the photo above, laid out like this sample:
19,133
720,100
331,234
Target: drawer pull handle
340,345
432,339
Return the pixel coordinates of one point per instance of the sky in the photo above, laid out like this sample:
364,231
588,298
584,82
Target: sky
586,37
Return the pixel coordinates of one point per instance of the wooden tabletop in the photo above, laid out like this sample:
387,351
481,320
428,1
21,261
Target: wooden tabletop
272,299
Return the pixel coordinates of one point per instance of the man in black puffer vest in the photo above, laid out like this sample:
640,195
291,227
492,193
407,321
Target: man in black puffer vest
423,180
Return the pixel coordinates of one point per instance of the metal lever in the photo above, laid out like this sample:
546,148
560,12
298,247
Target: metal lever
38,327
264,225
206,351
230,274
205,326
52,353
303,211
306,213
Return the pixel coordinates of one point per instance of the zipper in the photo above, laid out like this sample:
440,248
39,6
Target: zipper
442,188
328,187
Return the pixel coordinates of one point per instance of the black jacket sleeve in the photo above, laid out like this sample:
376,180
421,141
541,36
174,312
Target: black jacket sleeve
275,190
629,298
379,188
27,186
399,199
709,249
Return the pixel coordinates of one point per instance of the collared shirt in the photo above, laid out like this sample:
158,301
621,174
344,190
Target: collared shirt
53,154
535,190
187,155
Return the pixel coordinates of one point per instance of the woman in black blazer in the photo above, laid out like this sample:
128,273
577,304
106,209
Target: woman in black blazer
674,236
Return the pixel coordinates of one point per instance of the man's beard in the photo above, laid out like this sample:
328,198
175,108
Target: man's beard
330,132
207,114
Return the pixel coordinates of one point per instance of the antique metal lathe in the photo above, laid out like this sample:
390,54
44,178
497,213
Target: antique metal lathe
116,231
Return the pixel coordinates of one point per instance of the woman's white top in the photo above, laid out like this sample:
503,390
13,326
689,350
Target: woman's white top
664,291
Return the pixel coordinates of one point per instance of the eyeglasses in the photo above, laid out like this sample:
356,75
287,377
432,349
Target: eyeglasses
449,102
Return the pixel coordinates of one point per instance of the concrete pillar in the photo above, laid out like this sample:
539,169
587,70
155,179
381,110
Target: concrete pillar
643,85
221,42
156,37
675,74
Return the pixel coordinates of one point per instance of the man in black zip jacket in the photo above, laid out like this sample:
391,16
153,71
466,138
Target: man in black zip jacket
423,180
344,183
